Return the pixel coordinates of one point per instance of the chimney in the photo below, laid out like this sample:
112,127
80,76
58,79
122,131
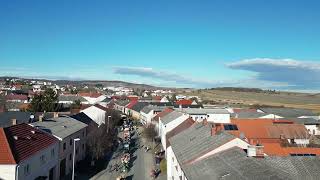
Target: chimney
255,151
14,121
55,114
40,118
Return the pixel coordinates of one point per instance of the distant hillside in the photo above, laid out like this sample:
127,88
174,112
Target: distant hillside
247,97
92,83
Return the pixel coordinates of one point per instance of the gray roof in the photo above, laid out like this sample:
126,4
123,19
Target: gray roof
71,98
61,127
234,164
248,115
288,112
197,140
148,109
6,118
170,117
122,102
139,105
306,121
203,111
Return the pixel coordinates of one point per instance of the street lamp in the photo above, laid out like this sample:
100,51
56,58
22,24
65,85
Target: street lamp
74,155
108,123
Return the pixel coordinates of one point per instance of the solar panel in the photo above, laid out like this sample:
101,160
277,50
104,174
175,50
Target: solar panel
230,127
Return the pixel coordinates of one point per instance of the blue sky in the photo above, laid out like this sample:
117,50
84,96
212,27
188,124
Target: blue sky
268,44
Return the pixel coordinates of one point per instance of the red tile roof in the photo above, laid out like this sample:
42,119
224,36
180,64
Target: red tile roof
6,156
275,149
131,104
163,113
184,102
16,97
27,144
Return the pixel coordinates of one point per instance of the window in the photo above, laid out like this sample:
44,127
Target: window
76,151
52,153
82,146
83,133
64,146
42,159
26,169
70,142
70,157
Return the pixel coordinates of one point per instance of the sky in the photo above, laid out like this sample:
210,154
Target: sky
173,43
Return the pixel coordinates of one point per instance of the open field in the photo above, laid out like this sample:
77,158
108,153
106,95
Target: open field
287,99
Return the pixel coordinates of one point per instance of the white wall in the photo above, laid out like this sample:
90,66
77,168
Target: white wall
174,170
313,129
146,118
80,145
170,126
7,171
38,168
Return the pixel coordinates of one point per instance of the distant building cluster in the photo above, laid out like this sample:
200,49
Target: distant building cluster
199,141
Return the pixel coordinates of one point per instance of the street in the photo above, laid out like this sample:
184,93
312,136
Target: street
141,162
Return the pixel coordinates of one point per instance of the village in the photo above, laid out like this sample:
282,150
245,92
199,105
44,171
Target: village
49,131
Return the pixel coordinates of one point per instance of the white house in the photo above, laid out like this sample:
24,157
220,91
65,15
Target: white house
196,143
97,113
35,154
168,123
66,130
211,115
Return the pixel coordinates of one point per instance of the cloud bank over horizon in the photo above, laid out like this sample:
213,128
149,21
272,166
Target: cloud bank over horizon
296,74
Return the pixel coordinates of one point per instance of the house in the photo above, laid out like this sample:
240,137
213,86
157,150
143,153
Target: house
17,98
211,115
135,109
36,88
82,117
185,102
92,97
156,119
168,123
234,163
197,143
70,99
311,124
12,118
288,112
120,105
148,112
97,113
28,153
66,130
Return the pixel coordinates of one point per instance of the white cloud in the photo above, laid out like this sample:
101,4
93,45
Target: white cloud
297,74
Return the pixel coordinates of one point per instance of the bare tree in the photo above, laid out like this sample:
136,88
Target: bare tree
102,138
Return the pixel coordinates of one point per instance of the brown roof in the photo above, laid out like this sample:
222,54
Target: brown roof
6,156
27,143
163,113
288,131
181,127
90,94
16,97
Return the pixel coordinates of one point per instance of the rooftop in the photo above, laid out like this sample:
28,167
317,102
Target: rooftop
171,117
196,141
61,127
24,141
288,112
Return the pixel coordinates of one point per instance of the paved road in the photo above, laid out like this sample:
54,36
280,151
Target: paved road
141,167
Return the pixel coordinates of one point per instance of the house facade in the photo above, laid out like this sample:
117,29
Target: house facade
66,129
28,153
